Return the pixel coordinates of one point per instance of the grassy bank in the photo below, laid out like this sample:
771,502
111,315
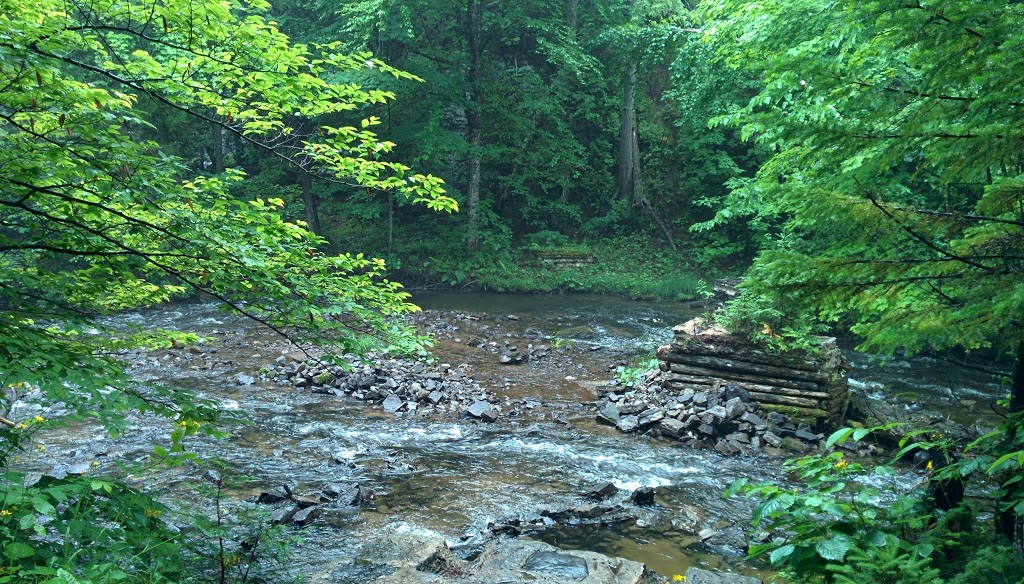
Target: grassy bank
631,267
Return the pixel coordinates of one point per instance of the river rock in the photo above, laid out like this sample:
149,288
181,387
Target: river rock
304,517
392,403
699,576
643,497
672,427
520,560
602,492
482,410
609,414
628,423
243,379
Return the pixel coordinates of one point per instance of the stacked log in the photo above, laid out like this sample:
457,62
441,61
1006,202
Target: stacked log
806,385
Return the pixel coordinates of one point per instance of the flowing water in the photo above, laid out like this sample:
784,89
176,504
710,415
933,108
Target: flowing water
454,476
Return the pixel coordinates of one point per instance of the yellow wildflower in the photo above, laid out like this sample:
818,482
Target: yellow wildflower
928,466
4,513
679,578
39,419
41,447
841,464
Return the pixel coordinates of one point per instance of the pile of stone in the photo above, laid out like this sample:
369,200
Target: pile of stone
301,510
400,387
724,419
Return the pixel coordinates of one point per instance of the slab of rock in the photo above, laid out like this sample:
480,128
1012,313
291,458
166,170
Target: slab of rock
628,423
601,492
482,410
392,403
698,576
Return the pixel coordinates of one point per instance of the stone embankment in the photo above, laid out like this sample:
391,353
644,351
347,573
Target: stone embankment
400,387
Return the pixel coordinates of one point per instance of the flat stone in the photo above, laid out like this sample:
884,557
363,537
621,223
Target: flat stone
698,576
807,436
306,516
557,564
718,412
752,418
243,379
435,397
392,403
609,414
601,492
482,409
772,439
672,427
650,416
628,423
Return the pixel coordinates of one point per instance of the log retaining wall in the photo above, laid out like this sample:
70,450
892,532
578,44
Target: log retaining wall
804,385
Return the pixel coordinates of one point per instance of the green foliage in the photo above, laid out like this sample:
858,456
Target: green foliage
633,376
835,523
98,216
765,321
895,173
992,565
887,564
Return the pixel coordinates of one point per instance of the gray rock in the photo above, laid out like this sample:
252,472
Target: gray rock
736,392
482,409
628,423
282,516
752,418
630,408
735,408
243,379
643,497
557,564
698,576
601,492
718,412
727,447
393,403
772,439
650,416
435,397
609,414
672,427
305,516
807,436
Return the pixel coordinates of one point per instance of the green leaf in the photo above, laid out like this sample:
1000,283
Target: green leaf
18,551
832,549
780,554
839,436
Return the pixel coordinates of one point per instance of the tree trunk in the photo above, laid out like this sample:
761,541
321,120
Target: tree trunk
217,150
309,202
627,162
473,30
571,11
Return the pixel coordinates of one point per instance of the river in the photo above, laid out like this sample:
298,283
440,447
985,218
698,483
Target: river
453,476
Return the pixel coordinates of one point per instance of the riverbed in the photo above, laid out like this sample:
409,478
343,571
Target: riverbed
454,476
